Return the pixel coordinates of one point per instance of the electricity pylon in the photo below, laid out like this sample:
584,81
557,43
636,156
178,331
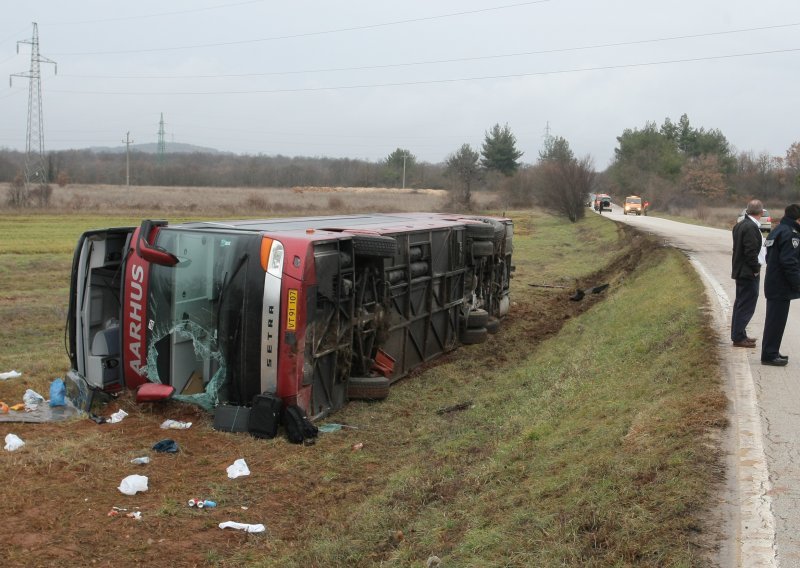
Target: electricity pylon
162,144
35,165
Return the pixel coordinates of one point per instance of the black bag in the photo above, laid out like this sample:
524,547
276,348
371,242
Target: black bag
265,416
298,427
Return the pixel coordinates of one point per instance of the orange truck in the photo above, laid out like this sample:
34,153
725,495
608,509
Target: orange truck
633,205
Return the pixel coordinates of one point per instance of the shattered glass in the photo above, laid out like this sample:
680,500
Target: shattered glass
203,347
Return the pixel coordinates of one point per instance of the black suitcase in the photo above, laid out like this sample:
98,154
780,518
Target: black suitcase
265,415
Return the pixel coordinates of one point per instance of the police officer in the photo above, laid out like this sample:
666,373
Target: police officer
781,283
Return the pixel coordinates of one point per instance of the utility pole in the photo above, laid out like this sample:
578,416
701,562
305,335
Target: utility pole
35,167
162,144
127,143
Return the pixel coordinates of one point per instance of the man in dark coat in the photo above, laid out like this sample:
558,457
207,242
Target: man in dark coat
781,283
746,270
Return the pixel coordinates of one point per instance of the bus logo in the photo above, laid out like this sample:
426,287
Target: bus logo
291,312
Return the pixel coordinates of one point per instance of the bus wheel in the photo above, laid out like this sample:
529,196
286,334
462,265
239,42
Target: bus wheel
472,336
493,325
477,318
374,245
367,388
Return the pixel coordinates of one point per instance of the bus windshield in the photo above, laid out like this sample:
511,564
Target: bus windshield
195,309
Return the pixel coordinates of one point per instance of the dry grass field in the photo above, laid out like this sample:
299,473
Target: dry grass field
233,201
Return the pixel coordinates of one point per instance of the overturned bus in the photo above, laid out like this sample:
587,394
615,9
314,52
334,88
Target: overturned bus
315,310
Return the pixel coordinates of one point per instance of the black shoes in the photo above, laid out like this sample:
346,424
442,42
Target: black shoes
778,361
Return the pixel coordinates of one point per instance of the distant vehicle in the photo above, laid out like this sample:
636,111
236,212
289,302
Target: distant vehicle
602,201
766,220
632,205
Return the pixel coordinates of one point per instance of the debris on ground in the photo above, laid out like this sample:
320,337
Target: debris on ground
202,503
32,399
238,469
170,424
117,416
167,446
58,393
10,375
140,461
455,407
259,528
13,442
329,428
133,484
358,446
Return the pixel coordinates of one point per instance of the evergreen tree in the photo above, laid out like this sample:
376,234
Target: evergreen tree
463,167
499,151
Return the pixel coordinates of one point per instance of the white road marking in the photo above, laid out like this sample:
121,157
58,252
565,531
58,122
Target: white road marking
756,532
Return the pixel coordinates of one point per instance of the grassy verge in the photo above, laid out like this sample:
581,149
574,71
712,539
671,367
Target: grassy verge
585,440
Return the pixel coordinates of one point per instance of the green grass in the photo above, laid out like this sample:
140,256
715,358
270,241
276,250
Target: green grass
590,448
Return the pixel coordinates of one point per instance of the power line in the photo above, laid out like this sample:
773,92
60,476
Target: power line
440,61
436,81
311,34
157,15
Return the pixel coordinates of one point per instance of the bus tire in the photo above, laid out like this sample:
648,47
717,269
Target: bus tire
472,336
477,318
367,388
489,228
374,245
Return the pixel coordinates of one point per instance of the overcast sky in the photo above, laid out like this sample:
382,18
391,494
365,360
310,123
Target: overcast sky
360,78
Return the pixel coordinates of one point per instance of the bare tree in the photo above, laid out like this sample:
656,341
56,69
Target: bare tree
17,192
565,184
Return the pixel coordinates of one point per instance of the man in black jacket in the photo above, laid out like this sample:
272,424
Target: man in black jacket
781,283
746,270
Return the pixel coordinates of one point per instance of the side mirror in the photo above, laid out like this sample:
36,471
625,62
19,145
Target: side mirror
153,253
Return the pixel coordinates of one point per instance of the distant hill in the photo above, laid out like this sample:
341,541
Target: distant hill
152,148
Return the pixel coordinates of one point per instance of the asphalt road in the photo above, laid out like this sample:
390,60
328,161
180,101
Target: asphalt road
760,514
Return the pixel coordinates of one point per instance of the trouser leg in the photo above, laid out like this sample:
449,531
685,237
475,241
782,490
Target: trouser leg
774,324
743,307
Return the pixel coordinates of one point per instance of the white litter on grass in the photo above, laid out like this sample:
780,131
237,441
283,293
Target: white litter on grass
117,416
175,425
140,461
10,375
132,484
238,469
243,527
13,442
32,399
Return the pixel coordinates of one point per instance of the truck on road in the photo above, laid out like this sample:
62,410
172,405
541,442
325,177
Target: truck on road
313,310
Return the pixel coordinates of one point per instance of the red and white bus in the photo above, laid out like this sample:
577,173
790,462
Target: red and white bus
315,310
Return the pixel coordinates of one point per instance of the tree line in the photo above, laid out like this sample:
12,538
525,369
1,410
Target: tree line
672,165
